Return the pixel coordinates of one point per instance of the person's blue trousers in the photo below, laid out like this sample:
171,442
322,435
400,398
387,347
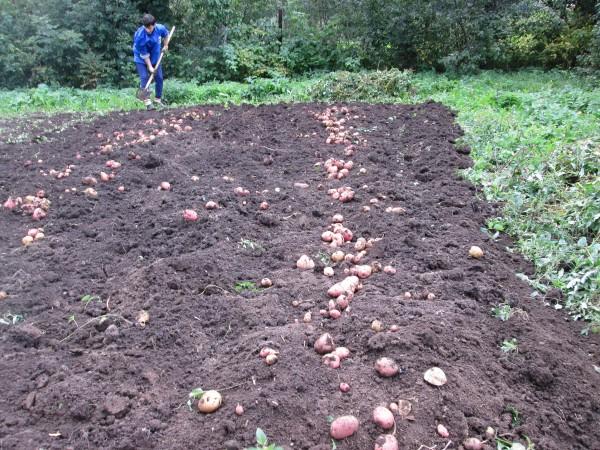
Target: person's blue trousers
145,74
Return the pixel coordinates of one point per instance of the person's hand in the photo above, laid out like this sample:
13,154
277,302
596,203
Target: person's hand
166,48
151,69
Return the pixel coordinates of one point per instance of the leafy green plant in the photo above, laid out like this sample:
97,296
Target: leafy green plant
262,443
247,285
515,416
503,311
323,257
364,86
195,394
87,299
248,244
505,444
11,319
509,346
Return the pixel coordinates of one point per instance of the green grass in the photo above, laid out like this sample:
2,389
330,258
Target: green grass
535,138
178,93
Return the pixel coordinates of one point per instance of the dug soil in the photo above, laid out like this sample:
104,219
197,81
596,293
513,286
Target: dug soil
82,369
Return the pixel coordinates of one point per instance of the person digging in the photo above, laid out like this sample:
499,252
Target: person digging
147,54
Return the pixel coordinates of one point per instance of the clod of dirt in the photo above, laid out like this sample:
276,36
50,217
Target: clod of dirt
27,333
435,376
541,377
150,376
152,162
386,442
116,405
29,400
232,445
268,220
111,333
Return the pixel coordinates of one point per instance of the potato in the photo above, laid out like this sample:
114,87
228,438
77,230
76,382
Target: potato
435,376
335,314
383,417
324,344
271,359
473,444
386,367
266,351
331,360
442,431
343,427
475,252
342,302
386,442
209,402
305,263
344,287
266,283
341,352
361,272
337,256
377,326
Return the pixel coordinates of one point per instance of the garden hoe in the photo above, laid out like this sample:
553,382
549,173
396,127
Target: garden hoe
144,93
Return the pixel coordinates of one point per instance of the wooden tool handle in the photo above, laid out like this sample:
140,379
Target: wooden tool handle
159,60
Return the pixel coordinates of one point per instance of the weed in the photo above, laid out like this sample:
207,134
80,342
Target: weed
509,346
87,299
262,443
248,244
11,319
323,257
503,311
504,444
242,286
71,319
195,394
515,416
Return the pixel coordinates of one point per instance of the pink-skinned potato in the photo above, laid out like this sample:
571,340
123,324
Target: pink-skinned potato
324,344
386,367
343,427
383,417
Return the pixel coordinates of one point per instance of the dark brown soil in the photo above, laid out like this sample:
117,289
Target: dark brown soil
88,376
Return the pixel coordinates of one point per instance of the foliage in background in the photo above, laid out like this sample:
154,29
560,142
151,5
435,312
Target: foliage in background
87,43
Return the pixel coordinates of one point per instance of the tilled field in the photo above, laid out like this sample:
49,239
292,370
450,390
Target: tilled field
123,307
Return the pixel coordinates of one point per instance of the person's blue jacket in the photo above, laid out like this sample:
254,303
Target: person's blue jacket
145,44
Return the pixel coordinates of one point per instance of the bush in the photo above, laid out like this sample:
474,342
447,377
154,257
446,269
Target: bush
363,86
260,89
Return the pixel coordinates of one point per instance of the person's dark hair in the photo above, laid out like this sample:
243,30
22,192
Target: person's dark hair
148,19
